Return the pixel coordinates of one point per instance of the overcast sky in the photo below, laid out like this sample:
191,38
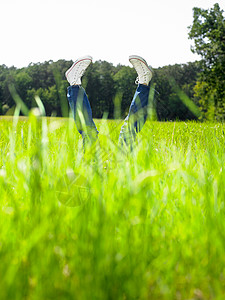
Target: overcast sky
41,30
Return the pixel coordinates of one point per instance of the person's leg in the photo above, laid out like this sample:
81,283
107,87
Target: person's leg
79,102
137,115
82,113
138,111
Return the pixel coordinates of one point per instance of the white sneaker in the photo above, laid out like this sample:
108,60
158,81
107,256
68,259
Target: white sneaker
76,71
143,70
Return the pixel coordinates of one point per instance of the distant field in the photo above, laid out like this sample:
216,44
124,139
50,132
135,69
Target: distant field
109,224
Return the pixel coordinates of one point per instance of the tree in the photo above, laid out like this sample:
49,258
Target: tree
23,84
99,84
170,79
208,33
124,84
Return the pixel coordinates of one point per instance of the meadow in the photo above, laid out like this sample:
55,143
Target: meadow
107,223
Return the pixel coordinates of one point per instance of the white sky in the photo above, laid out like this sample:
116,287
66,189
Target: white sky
41,30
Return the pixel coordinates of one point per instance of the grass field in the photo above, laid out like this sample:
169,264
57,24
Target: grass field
109,224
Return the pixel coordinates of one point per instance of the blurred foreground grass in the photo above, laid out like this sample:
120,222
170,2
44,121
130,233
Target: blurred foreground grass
109,224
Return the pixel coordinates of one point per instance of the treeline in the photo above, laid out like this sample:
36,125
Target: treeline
107,86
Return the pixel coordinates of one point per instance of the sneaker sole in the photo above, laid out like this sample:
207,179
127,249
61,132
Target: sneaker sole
76,62
136,57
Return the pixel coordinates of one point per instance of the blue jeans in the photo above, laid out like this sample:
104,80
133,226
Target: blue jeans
133,123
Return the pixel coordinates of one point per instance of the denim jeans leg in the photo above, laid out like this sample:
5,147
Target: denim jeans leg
137,116
82,113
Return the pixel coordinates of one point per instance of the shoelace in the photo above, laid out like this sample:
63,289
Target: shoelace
137,79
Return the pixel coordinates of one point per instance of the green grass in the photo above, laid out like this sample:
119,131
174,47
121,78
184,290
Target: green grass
109,224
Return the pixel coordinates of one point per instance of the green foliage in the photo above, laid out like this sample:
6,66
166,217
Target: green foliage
23,83
100,88
104,83
124,83
208,33
143,225
206,101
169,80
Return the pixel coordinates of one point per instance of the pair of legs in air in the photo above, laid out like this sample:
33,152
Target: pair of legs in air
81,108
